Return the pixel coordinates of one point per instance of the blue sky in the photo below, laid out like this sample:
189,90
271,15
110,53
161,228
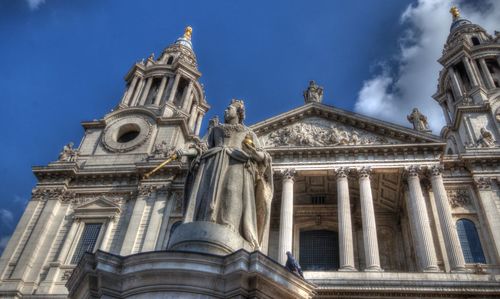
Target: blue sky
63,62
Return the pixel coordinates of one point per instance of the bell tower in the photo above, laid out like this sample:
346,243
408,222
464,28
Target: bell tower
168,85
469,88
162,108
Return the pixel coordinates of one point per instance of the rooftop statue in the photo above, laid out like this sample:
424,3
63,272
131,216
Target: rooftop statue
418,120
230,179
313,93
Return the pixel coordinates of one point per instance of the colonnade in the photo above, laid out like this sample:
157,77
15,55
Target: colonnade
417,214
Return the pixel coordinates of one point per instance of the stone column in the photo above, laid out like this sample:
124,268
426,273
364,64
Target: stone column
488,203
450,235
153,229
137,93
106,239
346,248
421,229
370,241
161,89
286,217
487,74
470,71
455,84
173,90
198,123
130,91
135,220
187,97
145,93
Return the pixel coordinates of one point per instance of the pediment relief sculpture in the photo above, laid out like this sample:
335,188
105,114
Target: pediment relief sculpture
317,131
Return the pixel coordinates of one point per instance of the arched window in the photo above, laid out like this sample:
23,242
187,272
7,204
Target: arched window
170,60
475,41
469,240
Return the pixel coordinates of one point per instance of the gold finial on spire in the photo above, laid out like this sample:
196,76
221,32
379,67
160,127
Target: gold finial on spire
455,12
187,32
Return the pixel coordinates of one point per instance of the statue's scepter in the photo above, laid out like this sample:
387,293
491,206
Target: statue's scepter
173,157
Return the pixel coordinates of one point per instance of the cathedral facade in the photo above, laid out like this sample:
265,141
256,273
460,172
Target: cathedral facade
368,208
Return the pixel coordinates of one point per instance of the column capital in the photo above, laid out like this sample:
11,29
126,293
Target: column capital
412,170
288,173
483,183
341,172
435,170
364,172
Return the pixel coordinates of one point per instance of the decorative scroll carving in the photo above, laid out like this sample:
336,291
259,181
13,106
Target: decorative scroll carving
458,197
319,132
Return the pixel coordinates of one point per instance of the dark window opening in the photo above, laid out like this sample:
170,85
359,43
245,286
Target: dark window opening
469,240
87,241
319,250
153,91
183,83
462,74
318,199
450,152
128,133
170,60
475,41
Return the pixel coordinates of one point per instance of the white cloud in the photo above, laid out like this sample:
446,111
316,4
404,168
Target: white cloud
6,217
34,4
3,243
391,97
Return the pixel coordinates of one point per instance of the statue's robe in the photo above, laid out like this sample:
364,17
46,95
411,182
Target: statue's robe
227,187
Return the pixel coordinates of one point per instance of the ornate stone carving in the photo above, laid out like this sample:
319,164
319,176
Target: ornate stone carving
436,170
66,275
418,120
68,153
341,172
364,172
162,150
486,139
458,197
412,170
313,93
288,174
43,194
147,190
316,131
483,183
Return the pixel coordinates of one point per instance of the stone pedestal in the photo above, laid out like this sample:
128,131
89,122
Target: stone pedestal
207,237
176,274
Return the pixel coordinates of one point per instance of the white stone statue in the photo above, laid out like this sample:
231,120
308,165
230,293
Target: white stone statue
68,154
486,139
418,120
313,93
230,180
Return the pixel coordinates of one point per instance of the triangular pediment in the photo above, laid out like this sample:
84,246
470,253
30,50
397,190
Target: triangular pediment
320,125
98,203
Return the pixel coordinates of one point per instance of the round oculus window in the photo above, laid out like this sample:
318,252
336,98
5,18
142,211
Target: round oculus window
126,134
